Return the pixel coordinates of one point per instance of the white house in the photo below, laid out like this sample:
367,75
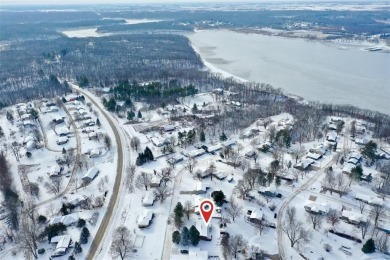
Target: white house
94,153
314,156
229,143
91,174
66,220
148,199
55,170
214,148
195,153
331,137
201,188
353,217
62,140
204,231
145,218
63,244
369,199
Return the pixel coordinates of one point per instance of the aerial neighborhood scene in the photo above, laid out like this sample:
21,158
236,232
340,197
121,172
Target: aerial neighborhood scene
194,130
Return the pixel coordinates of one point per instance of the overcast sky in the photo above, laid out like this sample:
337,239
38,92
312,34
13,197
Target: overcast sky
65,2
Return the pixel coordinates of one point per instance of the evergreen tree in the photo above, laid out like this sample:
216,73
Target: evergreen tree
77,248
148,154
357,172
194,109
223,137
185,237
84,235
278,181
176,237
369,246
218,197
139,114
130,115
194,235
179,211
63,150
202,136
369,150
98,122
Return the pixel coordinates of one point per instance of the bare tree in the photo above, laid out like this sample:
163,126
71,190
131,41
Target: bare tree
315,219
298,153
237,244
54,186
166,175
362,205
107,141
376,213
333,217
342,185
143,180
364,228
242,188
329,181
382,242
135,143
271,132
212,170
190,165
187,208
234,158
234,210
294,229
161,193
260,224
121,245
130,178
53,126
28,237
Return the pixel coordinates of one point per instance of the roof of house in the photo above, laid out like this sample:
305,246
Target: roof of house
229,143
148,198
201,186
145,218
91,173
353,216
214,148
62,139
195,153
314,156
369,199
66,220
202,228
256,214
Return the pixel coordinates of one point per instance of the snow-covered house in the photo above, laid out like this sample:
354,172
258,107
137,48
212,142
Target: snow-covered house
353,217
175,159
145,218
91,174
169,128
317,208
28,122
88,130
30,145
148,199
214,148
361,141
25,117
220,175
63,243
268,191
229,143
67,220
55,170
314,156
159,141
204,231
254,215
195,153
304,164
94,153
62,140
321,149
331,137
369,199
201,188
89,122
63,131
155,181
250,153
92,136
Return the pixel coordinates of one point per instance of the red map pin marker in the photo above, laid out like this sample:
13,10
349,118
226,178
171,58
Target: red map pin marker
206,209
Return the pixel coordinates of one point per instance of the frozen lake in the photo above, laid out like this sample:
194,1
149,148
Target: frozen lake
316,71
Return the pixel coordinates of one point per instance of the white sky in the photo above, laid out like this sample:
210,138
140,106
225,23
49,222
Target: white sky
65,2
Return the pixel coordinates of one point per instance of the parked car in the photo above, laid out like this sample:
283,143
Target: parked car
184,251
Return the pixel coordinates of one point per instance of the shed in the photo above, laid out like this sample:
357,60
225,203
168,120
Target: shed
94,153
155,181
55,170
63,244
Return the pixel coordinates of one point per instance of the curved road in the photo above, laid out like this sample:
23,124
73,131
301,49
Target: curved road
93,250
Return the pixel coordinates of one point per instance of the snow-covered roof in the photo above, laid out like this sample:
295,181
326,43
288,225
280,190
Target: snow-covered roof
25,116
332,136
55,170
94,152
355,155
148,199
66,220
229,143
361,141
93,134
91,174
28,122
145,218
28,138
314,156
62,139
158,141
89,129
317,207
214,148
201,186
169,127
256,215
202,228
320,149
63,131
353,216
176,158
30,145
156,180
195,153
353,161
369,199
